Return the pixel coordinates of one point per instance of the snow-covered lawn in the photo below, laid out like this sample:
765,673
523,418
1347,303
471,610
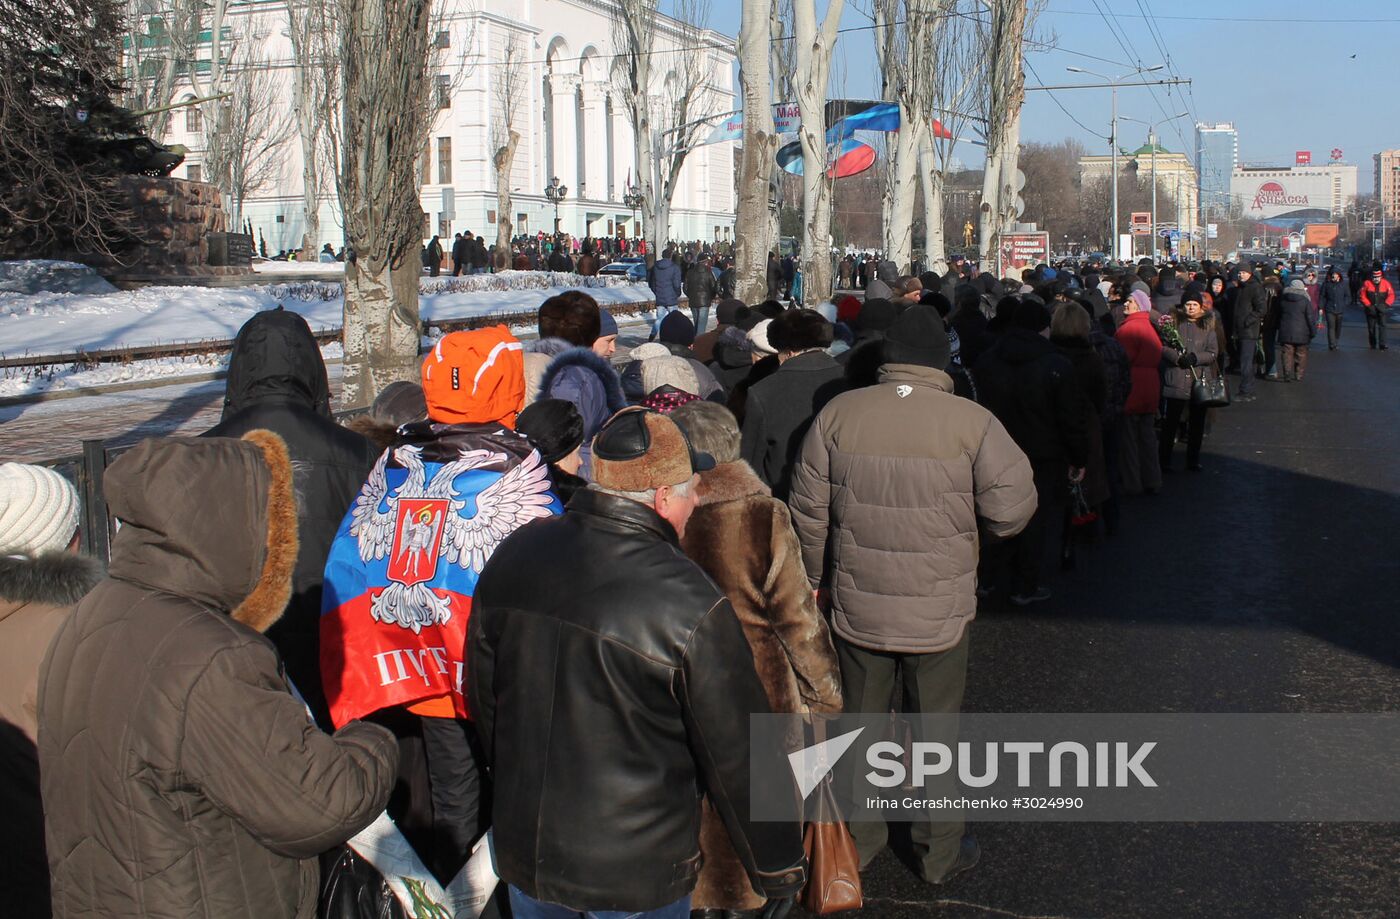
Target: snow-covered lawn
58,322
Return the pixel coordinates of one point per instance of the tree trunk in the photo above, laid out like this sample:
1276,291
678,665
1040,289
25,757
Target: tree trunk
813,50
503,161
752,223
1006,93
931,179
900,187
381,329
388,113
303,82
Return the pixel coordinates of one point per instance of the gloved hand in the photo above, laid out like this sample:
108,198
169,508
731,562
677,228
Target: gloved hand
777,909
1187,360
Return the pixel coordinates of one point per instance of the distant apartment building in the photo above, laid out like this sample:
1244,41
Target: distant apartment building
1388,182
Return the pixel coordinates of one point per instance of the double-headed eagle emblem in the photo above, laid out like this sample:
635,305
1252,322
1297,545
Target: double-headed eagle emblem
422,522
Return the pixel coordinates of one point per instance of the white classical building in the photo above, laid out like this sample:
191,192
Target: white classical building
570,117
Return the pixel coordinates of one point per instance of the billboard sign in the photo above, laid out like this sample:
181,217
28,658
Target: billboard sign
1018,251
1140,223
1321,235
1212,231
1287,199
1302,158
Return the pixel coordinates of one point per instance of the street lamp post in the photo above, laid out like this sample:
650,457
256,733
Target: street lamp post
633,199
556,193
1152,153
1113,137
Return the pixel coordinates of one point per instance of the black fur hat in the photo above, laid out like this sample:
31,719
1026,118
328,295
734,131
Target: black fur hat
800,330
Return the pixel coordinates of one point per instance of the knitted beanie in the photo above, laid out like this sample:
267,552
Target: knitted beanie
38,510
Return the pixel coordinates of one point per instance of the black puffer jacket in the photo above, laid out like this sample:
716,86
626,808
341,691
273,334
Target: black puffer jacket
610,697
1251,305
277,382
1032,390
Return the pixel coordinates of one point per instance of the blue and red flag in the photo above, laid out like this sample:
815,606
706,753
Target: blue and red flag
403,568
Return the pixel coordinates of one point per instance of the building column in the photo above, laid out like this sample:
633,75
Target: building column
595,161
563,89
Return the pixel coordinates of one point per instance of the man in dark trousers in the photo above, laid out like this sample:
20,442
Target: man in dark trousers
460,248
1377,297
611,692
780,408
1251,305
434,257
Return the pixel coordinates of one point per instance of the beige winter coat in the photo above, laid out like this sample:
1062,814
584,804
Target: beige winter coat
888,494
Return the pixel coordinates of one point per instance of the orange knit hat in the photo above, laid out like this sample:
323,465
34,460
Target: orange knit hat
475,378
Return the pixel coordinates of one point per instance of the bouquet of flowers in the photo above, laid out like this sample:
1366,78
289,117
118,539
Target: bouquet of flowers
1171,337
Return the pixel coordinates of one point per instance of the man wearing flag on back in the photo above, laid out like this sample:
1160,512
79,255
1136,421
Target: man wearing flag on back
401,573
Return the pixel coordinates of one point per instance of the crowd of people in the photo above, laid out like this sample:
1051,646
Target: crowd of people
540,589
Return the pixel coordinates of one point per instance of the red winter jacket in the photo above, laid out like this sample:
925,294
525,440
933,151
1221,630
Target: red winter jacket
1144,347
1370,291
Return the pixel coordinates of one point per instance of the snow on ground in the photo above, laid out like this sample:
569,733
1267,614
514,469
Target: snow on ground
32,381
55,322
310,269
31,275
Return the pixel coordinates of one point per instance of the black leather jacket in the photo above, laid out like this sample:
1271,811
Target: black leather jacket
611,683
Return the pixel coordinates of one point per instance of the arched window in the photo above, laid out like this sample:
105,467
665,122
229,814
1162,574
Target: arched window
194,119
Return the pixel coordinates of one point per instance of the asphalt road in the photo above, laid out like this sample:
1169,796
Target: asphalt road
1266,583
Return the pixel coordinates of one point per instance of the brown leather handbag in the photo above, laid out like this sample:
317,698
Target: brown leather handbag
833,865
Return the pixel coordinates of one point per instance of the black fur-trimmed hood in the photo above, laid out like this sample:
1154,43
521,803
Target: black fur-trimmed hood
53,578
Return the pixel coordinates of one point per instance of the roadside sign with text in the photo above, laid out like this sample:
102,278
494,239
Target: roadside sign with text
1140,223
1212,231
1017,251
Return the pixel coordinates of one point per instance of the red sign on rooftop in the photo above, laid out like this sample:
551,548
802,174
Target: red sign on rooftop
1302,158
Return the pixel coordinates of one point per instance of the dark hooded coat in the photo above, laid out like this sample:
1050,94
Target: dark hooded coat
277,382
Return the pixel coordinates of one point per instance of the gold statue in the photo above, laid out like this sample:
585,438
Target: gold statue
967,234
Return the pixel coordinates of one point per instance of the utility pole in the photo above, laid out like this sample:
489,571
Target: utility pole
1113,83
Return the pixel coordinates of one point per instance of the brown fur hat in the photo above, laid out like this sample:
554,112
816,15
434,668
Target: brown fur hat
800,330
572,316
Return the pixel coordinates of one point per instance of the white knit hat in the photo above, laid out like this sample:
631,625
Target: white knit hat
669,371
38,510
758,337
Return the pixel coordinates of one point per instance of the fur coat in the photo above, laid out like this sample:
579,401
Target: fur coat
744,540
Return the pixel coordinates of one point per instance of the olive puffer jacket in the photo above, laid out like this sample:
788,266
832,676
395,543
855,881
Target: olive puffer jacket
181,778
893,483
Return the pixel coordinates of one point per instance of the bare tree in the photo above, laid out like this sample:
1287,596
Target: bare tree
1002,39
157,50
316,91
388,112
509,95
753,226
956,82
906,36
246,133
813,45
668,116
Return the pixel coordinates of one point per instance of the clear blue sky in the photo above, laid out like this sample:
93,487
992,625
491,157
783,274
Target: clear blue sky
1281,70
